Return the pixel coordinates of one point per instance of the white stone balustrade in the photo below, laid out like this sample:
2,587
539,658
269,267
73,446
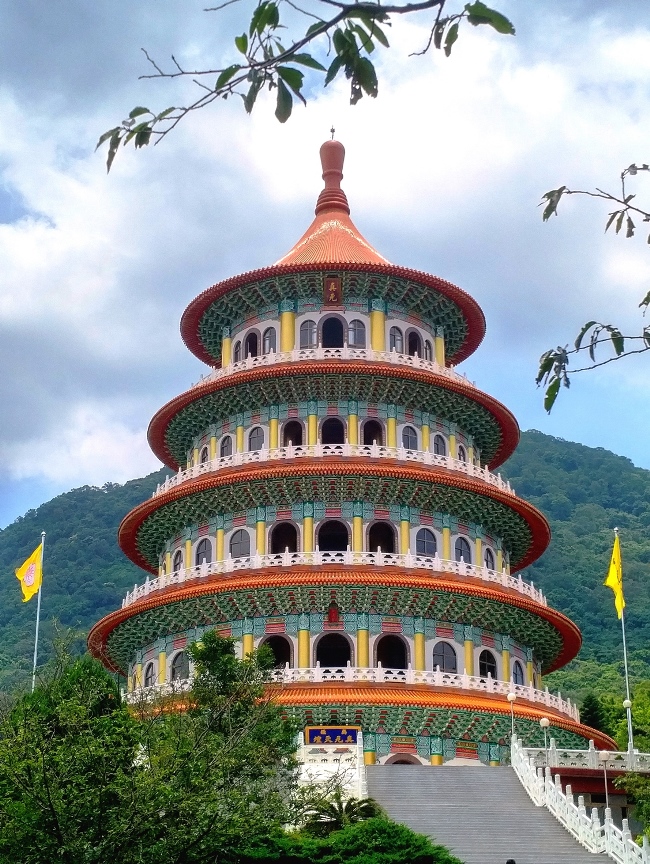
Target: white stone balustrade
597,837
320,451
319,559
457,681
364,354
620,760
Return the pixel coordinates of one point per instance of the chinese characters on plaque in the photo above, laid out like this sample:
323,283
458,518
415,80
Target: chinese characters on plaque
331,734
332,291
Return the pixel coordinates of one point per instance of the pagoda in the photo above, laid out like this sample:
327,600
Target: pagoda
335,499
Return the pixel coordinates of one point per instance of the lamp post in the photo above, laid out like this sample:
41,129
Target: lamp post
511,698
545,723
603,756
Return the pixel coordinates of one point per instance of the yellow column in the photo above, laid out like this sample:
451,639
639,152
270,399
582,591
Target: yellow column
369,757
478,545
418,646
287,331
494,763
426,436
353,429
195,460
404,536
308,533
239,437
363,649
220,544
529,672
505,657
391,432
357,534
378,330
440,350
162,667
469,656
248,644
436,759
213,447
446,544
138,674
226,346
453,452
470,454
312,429
188,554
168,562
303,649
260,537
129,683
499,561
273,433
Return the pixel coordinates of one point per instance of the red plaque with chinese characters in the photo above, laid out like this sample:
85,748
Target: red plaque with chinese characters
332,291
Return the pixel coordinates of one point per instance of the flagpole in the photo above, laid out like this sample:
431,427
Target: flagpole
38,613
628,701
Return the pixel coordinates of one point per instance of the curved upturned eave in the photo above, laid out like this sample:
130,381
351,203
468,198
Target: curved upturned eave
272,578
472,312
130,525
505,419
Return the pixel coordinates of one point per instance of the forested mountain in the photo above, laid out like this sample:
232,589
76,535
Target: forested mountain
585,493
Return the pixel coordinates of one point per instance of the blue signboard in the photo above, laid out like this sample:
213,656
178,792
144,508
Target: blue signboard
331,734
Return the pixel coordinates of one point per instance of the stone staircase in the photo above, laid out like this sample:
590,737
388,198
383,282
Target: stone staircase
482,814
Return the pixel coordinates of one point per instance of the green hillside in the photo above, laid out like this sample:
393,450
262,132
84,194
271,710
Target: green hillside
584,492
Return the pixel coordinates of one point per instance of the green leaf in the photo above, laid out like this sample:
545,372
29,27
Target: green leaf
545,365
366,76
135,131
438,34
618,340
366,41
251,96
630,227
106,136
226,75
479,13
645,302
285,102
308,60
112,148
241,43
553,199
314,27
452,35
619,221
163,114
582,332
372,26
292,77
138,111
143,136
333,71
551,394
612,216
258,14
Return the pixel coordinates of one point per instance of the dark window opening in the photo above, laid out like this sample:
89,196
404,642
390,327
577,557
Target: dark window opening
391,652
381,536
488,559
409,438
332,431
439,446
462,551
292,434
284,536
517,673
425,542
281,650
226,446
333,650
487,665
414,344
251,348
240,544
444,656
180,668
332,333
373,433
149,676
333,537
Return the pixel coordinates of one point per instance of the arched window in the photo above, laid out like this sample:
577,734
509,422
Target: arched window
236,353
462,551
373,433
396,340
240,544
177,561
391,652
205,455
439,445
333,536
284,536
517,673
444,656
332,431
256,439
462,453
409,438
488,559
308,334
333,650
425,542
332,333
180,668
357,334
149,675
428,350
487,665
225,448
292,434
381,536
414,346
203,552
268,340
251,347
281,648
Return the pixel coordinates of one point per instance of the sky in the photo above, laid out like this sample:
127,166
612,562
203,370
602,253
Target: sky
444,172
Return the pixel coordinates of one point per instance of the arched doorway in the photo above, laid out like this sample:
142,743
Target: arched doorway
281,649
333,650
373,433
414,344
284,536
381,536
333,536
251,347
292,434
402,759
391,652
332,333
332,431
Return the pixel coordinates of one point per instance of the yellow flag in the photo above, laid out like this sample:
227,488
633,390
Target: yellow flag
30,574
615,577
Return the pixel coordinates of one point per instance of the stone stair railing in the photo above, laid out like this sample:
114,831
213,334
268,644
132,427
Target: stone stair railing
555,757
319,451
597,837
318,559
306,354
